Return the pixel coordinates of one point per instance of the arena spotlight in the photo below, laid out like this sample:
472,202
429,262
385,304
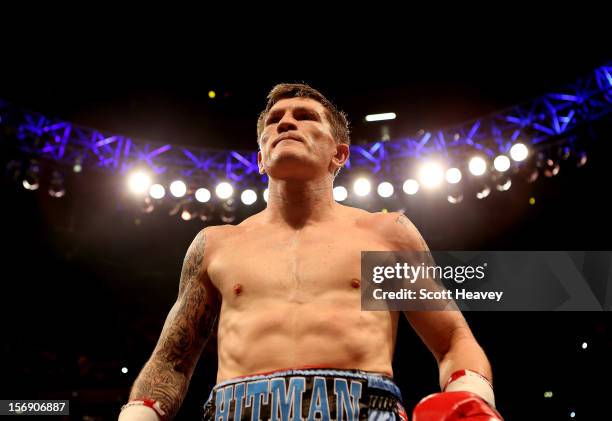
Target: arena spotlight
228,211
340,193
77,167
178,188
477,166
139,181
29,185
581,159
56,185
31,180
385,189
227,218
453,175
485,191
202,195
147,205
186,215
551,168
455,198
431,175
224,190
410,186
504,184
519,152
189,210
362,186
380,117
248,197
266,194
206,212
157,191
501,163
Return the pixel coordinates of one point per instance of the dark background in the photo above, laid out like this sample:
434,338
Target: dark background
88,279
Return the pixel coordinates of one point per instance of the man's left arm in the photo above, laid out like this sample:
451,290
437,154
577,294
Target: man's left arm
462,363
450,340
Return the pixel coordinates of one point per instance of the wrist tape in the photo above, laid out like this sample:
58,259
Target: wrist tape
471,381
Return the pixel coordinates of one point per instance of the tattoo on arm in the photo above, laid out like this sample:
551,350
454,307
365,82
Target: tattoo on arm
402,220
166,375
422,255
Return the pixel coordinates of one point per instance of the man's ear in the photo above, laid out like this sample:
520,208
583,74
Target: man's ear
341,156
260,163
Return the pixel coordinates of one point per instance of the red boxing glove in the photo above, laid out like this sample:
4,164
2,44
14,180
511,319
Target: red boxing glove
452,406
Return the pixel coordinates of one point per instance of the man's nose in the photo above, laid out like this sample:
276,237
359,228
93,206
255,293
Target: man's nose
286,124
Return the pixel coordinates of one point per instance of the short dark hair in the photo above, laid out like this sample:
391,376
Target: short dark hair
337,119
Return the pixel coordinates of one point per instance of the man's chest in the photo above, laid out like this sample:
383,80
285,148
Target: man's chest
305,263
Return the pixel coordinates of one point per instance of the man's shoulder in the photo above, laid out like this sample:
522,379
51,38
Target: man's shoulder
218,232
394,228
212,235
378,221
226,231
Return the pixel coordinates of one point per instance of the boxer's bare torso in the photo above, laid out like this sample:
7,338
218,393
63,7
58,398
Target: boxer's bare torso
285,282
291,297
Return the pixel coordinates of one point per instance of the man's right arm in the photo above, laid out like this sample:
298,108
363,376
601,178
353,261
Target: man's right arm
166,375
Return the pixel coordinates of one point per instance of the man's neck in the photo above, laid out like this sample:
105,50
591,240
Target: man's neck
298,202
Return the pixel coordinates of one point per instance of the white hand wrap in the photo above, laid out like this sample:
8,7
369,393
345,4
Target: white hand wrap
142,410
470,381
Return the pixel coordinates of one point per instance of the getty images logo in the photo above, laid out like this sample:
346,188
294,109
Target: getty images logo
412,273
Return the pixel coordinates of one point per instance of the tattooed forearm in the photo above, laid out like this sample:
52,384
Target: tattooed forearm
165,377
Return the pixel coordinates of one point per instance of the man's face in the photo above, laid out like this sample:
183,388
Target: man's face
297,141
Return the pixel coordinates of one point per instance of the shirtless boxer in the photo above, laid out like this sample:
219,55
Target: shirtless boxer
293,342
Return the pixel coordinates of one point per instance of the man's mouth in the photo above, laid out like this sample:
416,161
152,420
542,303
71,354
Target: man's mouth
279,139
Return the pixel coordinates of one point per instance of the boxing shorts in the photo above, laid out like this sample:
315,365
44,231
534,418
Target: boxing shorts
309,394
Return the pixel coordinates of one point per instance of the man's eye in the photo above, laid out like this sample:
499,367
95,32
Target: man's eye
272,120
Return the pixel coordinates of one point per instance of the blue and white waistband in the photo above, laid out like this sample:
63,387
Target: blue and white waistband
375,380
